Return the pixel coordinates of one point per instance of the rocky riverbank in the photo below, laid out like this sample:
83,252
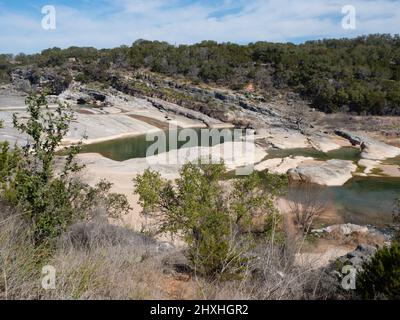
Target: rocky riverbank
116,112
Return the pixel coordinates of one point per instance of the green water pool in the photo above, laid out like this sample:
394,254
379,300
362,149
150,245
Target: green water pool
137,146
363,200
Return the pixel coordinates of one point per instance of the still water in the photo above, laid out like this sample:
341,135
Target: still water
362,200
137,146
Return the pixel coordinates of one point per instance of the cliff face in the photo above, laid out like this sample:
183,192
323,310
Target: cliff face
243,108
210,104
28,79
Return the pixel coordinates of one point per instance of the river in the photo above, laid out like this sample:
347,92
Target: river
362,200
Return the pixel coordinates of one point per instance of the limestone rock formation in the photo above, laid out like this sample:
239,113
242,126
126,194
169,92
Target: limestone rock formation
371,149
330,173
281,166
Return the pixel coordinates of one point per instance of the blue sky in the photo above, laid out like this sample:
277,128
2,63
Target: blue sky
111,23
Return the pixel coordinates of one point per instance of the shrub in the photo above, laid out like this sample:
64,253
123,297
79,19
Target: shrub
93,260
381,276
50,198
307,206
214,222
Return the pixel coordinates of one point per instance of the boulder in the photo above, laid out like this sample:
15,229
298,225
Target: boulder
24,79
178,262
28,79
286,139
97,95
333,275
355,258
330,173
81,95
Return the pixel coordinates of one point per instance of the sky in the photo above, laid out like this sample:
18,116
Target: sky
111,23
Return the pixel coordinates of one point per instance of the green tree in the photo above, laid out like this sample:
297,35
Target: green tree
215,223
41,185
381,276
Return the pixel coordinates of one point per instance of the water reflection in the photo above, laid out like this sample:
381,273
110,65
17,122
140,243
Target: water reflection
361,200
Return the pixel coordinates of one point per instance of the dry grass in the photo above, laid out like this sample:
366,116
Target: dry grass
116,272
109,264
356,238
273,275
96,260
19,259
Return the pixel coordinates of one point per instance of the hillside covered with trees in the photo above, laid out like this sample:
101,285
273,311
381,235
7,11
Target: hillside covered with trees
360,75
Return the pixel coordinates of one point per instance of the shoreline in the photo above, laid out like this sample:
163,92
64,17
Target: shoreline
69,142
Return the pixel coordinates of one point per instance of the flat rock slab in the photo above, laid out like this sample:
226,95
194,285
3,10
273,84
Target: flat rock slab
324,143
371,149
281,166
329,173
286,139
234,154
11,100
379,168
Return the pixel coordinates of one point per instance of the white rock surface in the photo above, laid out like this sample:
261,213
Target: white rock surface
379,151
234,154
99,124
281,166
329,173
369,165
383,169
371,149
290,140
324,143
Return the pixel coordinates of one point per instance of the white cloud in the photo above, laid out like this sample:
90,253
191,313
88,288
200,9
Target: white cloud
123,21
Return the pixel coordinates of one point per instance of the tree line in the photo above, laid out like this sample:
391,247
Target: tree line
360,75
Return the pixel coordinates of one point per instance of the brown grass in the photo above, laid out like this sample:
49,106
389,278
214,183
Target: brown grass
109,264
96,260
356,238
